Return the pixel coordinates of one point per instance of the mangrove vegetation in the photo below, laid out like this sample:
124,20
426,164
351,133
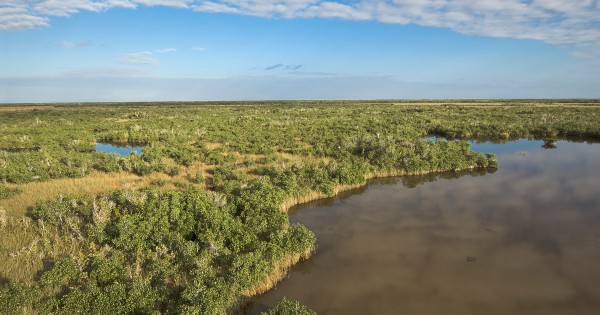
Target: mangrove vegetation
197,223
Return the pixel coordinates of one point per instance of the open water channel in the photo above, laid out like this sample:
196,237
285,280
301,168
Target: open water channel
524,239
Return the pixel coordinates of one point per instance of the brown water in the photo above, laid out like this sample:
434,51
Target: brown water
522,240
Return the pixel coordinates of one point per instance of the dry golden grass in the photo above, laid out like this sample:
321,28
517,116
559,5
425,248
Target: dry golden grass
299,158
444,103
21,108
94,183
314,195
499,104
3,218
19,244
278,272
212,146
245,156
24,245
188,172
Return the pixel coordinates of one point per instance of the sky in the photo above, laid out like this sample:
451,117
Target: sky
170,50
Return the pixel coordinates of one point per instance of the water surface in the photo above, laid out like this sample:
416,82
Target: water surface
522,240
121,150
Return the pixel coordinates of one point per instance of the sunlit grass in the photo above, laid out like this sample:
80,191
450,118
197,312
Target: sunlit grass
93,184
303,151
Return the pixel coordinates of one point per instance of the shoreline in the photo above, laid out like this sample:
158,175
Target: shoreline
282,267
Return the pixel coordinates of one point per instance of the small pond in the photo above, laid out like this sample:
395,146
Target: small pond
121,150
524,239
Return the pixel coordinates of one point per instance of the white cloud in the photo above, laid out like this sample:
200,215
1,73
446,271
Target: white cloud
66,8
335,10
144,57
139,58
280,66
213,7
165,50
17,17
199,49
556,22
166,3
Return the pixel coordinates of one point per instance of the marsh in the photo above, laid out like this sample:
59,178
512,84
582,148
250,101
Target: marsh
524,239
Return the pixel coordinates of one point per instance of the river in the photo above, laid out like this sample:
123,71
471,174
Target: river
524,239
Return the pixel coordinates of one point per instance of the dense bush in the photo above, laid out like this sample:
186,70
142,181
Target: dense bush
288,307
190,252
380,133
6,192
196,251
16,297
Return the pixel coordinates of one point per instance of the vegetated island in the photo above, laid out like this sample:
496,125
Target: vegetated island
197,223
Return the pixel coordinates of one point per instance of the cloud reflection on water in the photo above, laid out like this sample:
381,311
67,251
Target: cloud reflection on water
401,245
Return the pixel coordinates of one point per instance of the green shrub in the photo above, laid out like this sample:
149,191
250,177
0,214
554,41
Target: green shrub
6,192
158,182
289,307
173,171
63,272
16,296
197,178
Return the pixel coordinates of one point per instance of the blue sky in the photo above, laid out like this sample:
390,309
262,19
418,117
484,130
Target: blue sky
139,50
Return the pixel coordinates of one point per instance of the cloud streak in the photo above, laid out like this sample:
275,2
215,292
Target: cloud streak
139,58
556,22
18,17
283,67
142,58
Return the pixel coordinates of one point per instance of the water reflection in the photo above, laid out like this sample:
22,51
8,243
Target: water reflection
121,150
525,239
406,181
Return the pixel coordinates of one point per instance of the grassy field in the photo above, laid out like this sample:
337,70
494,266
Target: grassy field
195,223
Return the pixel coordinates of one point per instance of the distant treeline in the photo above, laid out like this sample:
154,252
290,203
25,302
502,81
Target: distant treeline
507,101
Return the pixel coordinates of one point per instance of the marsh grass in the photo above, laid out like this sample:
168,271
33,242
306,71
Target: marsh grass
3,218
95,183
24,245
20,257
278,272
304,150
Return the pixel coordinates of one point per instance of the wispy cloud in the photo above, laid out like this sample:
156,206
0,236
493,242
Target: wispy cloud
66,8
165,3
142,58
283,67
313,73
273,67
18,17
165,50
556,22
139,58
71,44
199,49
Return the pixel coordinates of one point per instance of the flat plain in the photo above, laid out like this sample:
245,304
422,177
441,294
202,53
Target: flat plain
197,223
